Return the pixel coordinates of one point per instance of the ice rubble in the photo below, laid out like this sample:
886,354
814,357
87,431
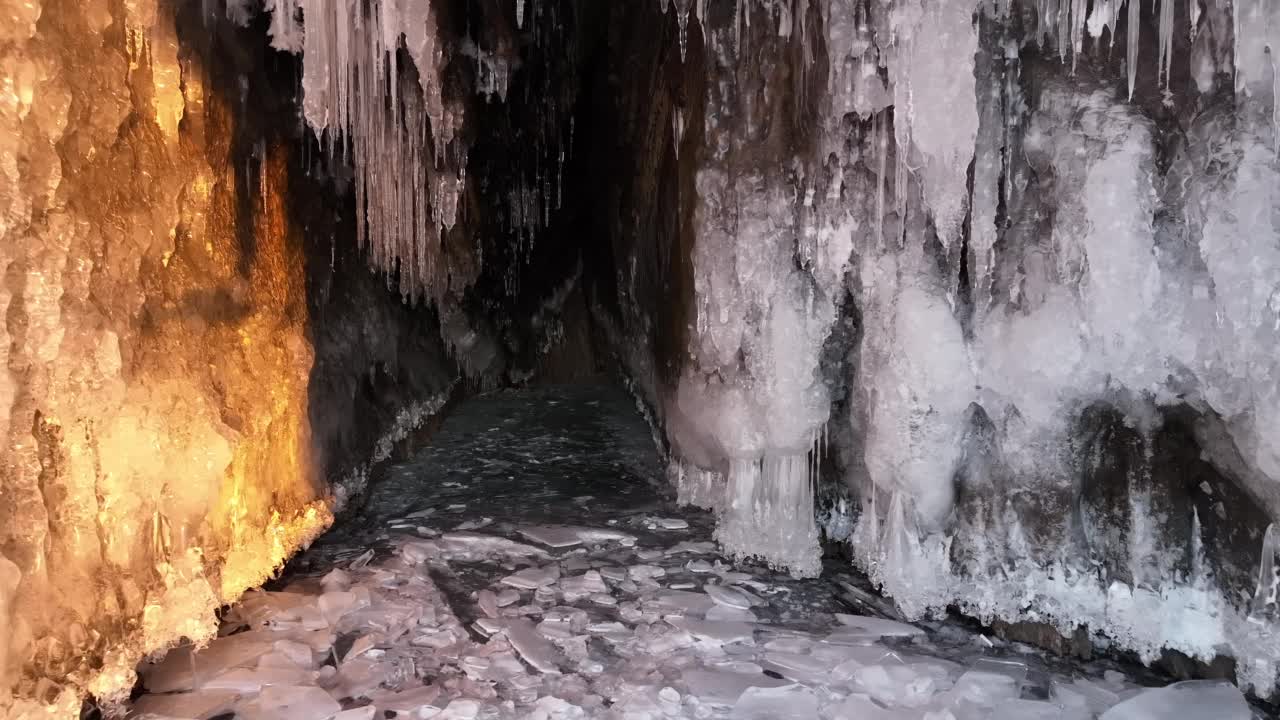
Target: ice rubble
378,637
1074,295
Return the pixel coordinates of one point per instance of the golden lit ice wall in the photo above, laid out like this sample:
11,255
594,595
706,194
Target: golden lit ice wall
154,438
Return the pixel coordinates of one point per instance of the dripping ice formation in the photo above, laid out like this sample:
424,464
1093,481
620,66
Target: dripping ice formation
1043,280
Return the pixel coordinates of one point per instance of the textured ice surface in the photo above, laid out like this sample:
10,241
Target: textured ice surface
553,650
1190,700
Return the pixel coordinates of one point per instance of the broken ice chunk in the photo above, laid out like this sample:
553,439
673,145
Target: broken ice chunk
410,702
1012,668
684,601
488,626
789,702
645,572
260,607
589,583
724,688
334,605
877,627
698,566
790,644
438,639
337,580
671,523
720,612
533,577
718,632
688,546
861,707
488,603
532,647
461,709
800,668
198,705
358,677
897,685
285,701
418,552
727,596
246,681
474,524
476,546
1028,710
296,652
670,699
553,536
183,668
362,644
361,713
1188,700
508,597
985,688
600,535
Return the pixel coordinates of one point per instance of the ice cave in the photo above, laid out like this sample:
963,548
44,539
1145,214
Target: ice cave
640,359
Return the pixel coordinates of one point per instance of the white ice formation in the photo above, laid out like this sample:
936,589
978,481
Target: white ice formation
1016,256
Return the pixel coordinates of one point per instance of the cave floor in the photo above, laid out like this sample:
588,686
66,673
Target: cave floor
532,563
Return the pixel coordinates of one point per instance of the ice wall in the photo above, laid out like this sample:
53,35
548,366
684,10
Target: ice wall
1059,238
153,401
187,376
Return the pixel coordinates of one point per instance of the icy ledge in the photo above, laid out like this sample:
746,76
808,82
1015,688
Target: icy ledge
409,419
1191,615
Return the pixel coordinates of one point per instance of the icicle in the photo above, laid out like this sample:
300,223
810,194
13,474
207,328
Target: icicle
700,13
683,8
882,152
520,14
1265,607
737,26
1131,44
1198,574
677,129
1166,39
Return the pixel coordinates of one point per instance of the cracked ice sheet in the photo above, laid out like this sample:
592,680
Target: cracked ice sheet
598,630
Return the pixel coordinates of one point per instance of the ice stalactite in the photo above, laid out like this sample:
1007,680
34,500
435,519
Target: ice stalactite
1266,599
930,61
286,25
400,137
768,511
